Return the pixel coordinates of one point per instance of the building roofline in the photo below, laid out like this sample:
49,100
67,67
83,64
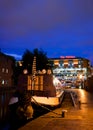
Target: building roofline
67,57
7,56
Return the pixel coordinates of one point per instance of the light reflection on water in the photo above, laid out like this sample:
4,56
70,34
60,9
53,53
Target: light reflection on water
4,101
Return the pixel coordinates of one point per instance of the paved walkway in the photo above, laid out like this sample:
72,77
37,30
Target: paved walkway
79,118
75,119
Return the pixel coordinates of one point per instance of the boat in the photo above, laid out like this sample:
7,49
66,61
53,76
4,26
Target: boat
51,100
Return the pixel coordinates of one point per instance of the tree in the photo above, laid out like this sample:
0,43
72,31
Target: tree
41,60
27,59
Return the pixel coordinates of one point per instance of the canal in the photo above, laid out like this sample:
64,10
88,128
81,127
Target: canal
5,96
10,122
8,116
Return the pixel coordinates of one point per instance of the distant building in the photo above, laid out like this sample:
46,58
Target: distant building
70,67
6,70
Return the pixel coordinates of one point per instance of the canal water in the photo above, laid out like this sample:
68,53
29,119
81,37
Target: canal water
8,117
5,96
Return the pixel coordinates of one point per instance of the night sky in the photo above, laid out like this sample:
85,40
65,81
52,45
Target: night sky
59,27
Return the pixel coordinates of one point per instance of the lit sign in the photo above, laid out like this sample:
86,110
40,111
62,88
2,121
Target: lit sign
68,57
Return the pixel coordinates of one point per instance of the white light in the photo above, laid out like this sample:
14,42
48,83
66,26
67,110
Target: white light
25,71
43,71
56,82
80,76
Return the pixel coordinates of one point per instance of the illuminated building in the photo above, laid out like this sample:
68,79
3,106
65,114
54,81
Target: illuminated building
6,70
70,67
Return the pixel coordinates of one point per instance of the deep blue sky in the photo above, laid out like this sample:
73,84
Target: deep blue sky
59,27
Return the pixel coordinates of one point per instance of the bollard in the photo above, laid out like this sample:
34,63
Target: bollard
79,103
63,113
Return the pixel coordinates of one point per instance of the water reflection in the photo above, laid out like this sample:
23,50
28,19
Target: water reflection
4,101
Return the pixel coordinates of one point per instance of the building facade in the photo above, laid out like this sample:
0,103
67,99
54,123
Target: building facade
6,70
70,68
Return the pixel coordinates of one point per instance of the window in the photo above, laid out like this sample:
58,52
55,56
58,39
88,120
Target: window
3,82
6,70
79,66
3,69
70,65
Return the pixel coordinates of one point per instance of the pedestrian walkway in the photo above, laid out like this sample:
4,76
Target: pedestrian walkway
79,118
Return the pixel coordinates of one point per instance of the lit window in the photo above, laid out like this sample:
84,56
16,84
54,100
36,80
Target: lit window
79,66
6,70
2,81
3,69
56,62
59,65
63,65
79,62
20,64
